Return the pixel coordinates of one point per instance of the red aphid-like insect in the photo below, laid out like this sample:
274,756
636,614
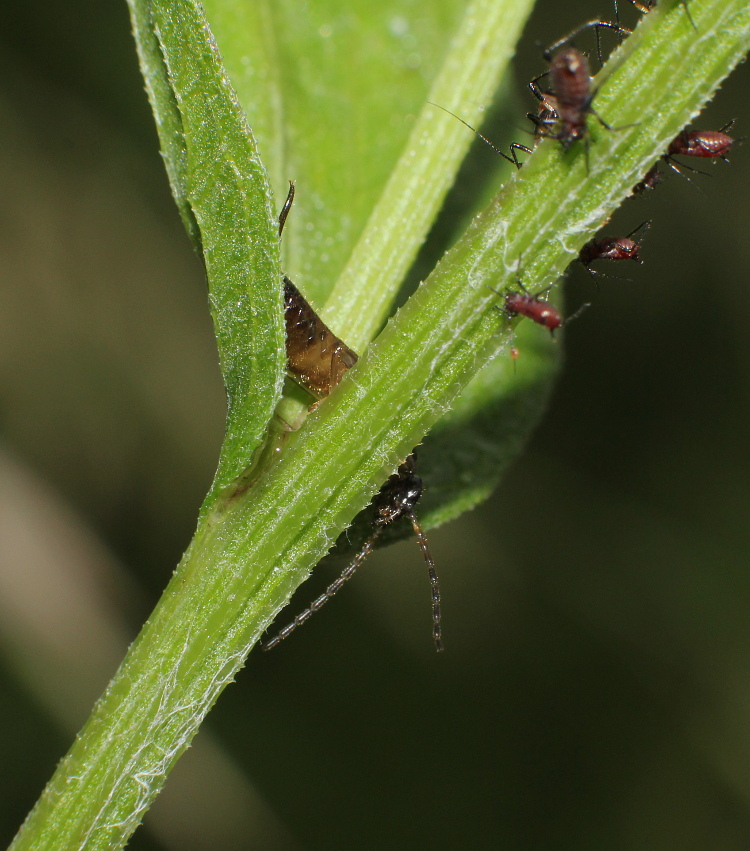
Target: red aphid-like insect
534,308
712,144
614,247
705,144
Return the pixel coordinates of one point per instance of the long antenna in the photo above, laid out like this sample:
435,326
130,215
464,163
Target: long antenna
287,207
513,146
437,629
332,589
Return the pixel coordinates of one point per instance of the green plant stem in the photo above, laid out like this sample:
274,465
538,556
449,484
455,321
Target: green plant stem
255,549
478,56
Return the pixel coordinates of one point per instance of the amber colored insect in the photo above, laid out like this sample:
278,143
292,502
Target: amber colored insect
396,499
614,247
546,116
316,358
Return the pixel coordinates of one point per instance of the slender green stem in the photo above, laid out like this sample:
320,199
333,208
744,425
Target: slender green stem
479,54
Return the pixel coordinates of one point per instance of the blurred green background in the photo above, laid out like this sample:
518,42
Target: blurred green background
595,691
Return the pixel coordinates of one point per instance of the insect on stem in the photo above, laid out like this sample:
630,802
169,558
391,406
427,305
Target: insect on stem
614,248
316,358
396,499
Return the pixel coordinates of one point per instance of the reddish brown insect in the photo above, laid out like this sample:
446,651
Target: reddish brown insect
614,247
396,499
712,144
564,118
513,158
534,308
707,144
564,109
316,358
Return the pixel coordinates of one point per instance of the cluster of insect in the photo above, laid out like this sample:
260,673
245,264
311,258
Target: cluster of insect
317,359
562,112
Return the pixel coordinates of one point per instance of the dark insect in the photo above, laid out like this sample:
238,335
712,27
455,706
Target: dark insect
563,110
396,499
316,358
513,158
647,5
651,180
614,248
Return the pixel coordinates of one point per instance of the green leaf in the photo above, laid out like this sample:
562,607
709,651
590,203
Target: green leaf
221,186
166,113
331,90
